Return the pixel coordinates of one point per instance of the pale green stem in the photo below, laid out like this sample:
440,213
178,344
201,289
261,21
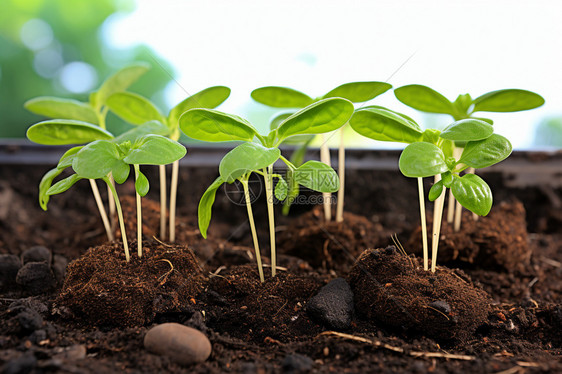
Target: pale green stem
326,196
472,171
139,214
458,216
451,212
437,217
111,203
173,195
253,228
423,224
121,221
269,195
101,209
163,203
341,172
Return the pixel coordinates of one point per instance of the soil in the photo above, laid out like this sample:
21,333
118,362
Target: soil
262,328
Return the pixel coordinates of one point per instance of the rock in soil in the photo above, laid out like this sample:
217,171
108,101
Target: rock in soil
9,267
36,254
497,241
333,305
330,245
22,365
394,290
59,267
297,363
101,288
30,320
182,344
36,278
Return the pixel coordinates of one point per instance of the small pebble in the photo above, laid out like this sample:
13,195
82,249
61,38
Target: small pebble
36,254
441,306
73,353
297,363
182,344
333,305
22,365
9,266
30,320
36,277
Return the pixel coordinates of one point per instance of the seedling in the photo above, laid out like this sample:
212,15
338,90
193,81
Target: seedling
283,97
428,100
482,149
138,110
214,126
100,158
77,122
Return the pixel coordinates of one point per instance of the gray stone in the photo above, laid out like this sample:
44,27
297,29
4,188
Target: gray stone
36,254
441,306
297,363
36,277
9,267
333,305
182,344
72,353
22,365
30,320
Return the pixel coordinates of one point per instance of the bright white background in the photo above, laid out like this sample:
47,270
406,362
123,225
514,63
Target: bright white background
452,46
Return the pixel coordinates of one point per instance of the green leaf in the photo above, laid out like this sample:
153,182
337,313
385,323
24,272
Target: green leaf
278,119
54,107
155,150
96,160
463,103
281,97
121,171
473,193
204,211
487,120
214,126
424,98
358,92
66,131
151,127
435,191
511,100
297,139
317,176
133,108
209,98
63,185
45,184
323,116
141,184
467,130
245,158
487,152
379,123
422,159
119,82
67,158
281,189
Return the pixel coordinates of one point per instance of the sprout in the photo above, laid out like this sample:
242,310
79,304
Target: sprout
138,110
283,97
214,126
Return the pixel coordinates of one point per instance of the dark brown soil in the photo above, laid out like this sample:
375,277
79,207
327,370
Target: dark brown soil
497,241
101,288
330,245
150,217
393,289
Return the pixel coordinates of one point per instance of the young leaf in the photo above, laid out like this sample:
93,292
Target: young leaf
487,152
467,129
45,184
297,139
281,97
54,107
66,159
281,189
463,103
511,100
119,82
96,160
424,98
65,131
204,211
473,193
209,98
151,127
141,184
323,116
435,191
155,150
317,176
246,158
379,123
214,126
63,185
358,92
422,159
133,108
121,171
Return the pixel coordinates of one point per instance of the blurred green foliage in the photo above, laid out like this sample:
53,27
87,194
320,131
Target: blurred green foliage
39,38
549,133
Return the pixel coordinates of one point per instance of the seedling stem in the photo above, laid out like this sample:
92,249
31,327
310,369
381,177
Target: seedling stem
253,226
162,169
173,195
437,216
423,223
120,214
111,204
139,215
101,209
341,172
326,197
269,194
